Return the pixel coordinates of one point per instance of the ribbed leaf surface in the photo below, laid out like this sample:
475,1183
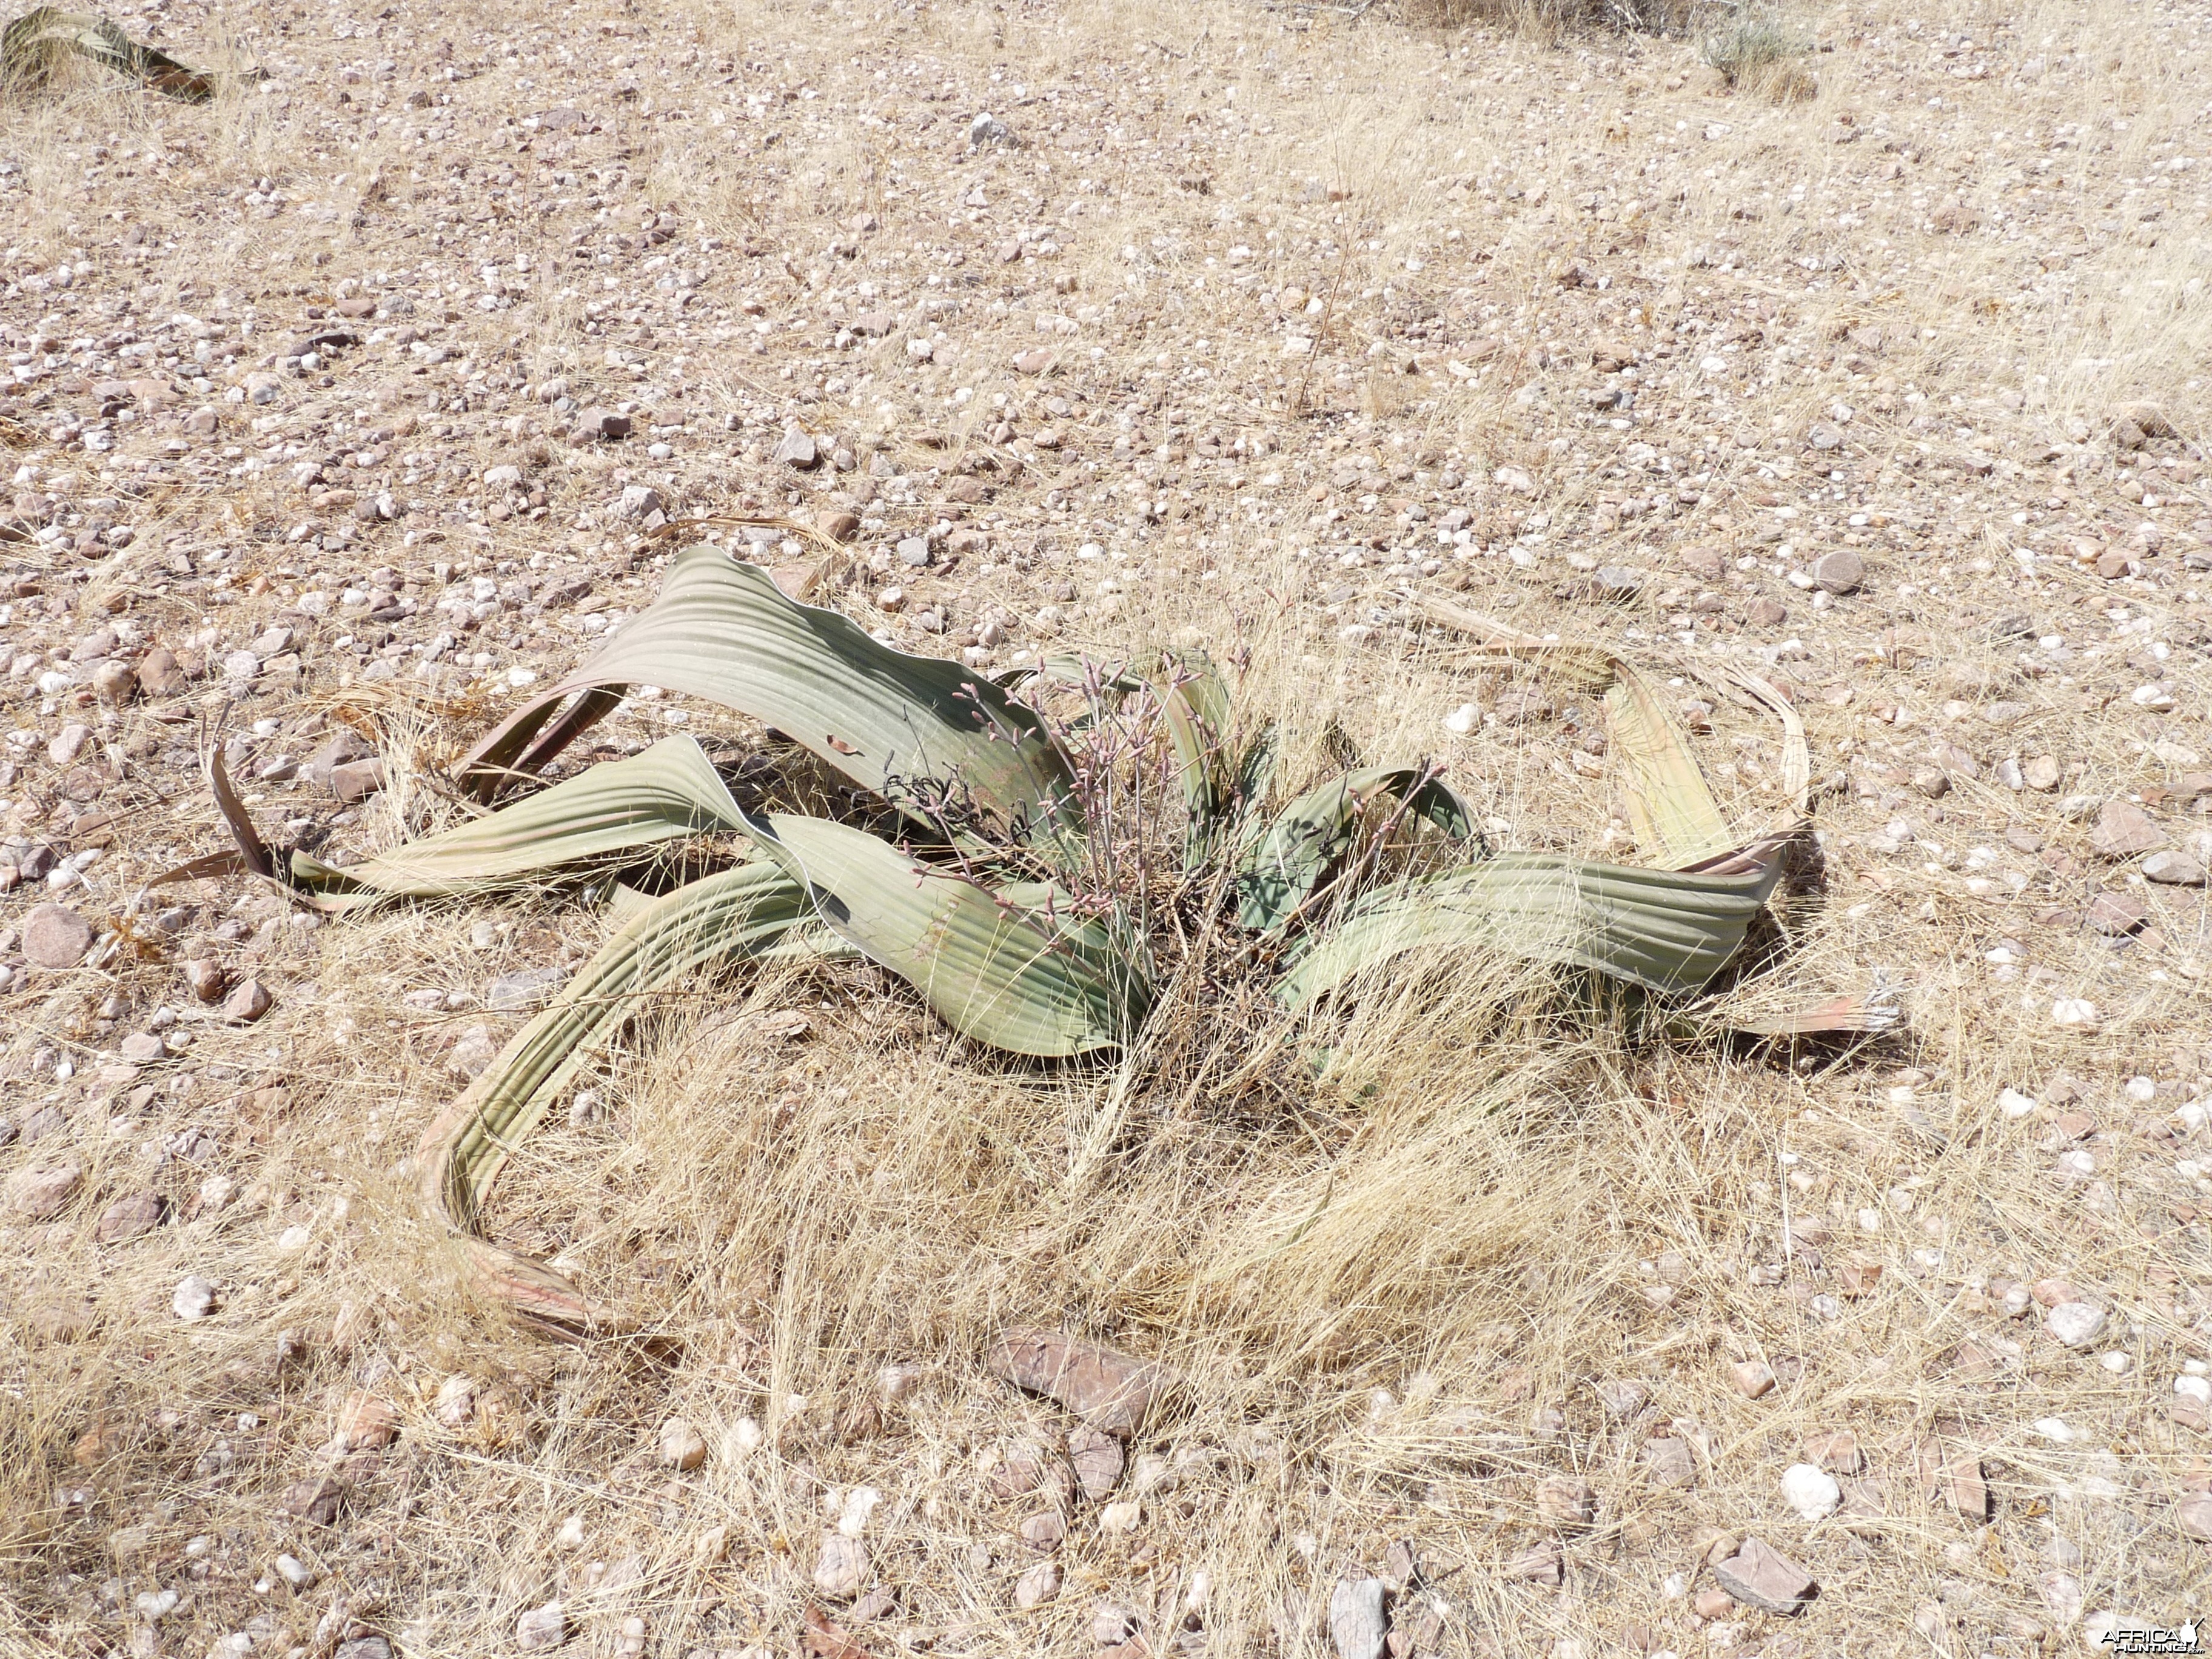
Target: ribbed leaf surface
933,738
665,793
988,967
741,912
1662,929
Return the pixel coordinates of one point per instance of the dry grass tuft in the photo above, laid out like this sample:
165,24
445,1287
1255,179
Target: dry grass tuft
1404,1254
1555,19
1753,48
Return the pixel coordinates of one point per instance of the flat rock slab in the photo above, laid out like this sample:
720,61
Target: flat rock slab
1110,1390
2125,830
1356,1625
54,937
1760,1576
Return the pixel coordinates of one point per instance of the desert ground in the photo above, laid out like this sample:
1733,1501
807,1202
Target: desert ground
346,405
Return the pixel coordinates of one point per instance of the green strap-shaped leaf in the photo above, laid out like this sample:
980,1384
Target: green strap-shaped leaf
665,793
987,967
1280,869
1662,929
935,738
30,46
1195,704
748,912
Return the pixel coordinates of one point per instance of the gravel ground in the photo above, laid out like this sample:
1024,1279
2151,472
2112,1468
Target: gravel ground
344,407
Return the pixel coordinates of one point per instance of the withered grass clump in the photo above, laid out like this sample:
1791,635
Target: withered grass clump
1549,18
1753,48
1077,862
1396,1264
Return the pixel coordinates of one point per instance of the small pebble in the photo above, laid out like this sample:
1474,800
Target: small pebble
682,1446
542,1628
194,1299
1811,1491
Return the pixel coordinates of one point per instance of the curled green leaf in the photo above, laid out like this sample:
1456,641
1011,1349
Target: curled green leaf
666,793
1667,931
743,913
941,742
1281,869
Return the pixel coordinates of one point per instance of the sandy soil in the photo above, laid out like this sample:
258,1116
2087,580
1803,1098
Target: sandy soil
344,407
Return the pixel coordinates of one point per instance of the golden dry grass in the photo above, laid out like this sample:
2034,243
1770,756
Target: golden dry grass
1393,1295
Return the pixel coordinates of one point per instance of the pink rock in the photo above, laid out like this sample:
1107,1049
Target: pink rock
1109,1389
41,1193
56,938
1760,1576
2125,830
247,1003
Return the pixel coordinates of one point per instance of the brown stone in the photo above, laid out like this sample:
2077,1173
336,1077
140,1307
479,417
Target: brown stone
1766,613
2125,830
356,780
54,937
1109,1389
839,526
1712,1602
1841,571
247,1003
318,1500
1932,781
1022,1469
1836,1451
1752,1378
1956,762
2115,913
2040,774
2173,870
43,1191
344,745
602,424
129,1216
1958,1482
205,976
1099,1460
1760,1576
